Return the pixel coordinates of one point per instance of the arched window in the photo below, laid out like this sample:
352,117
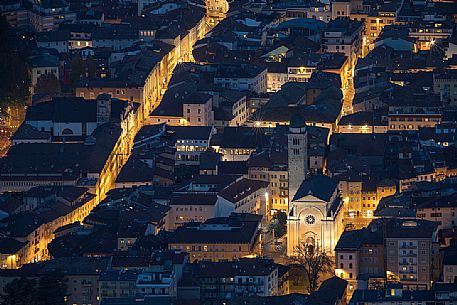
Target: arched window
67,131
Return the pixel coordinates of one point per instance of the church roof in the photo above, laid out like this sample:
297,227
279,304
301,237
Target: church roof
297,120
319,186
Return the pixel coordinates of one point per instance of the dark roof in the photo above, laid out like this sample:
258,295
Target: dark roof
74,109
61,158
330,292
77,265
297,120
140,301
209,160
73,245
350,240
215,182
440,202
239,190
401,228
237,228
196,98
233,168
135,171
241,137
238,71
289,299
190,132
193,199
20,225
241,267
25,131
10,246
375,296
320,186
450,255
9,204
120,275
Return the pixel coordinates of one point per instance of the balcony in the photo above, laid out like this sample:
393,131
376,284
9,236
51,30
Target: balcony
408,247
401,263
407,255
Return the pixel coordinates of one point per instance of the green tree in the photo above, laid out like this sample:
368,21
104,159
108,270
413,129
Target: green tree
278,224
91,67
19,292
314,262
47,83
77,69
52,289
14,70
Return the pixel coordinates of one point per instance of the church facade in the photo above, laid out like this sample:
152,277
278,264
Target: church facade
315,208
315,215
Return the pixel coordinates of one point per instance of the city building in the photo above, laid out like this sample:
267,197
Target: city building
343,35
441,210
219,239
198,207
445,85
240,277
247,196
242,77
403,250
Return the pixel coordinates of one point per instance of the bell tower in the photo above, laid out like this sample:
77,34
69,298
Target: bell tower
297,146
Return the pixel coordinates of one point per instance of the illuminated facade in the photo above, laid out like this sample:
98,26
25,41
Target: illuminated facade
361,198
31,243
427,33
315,215
272,169
373,27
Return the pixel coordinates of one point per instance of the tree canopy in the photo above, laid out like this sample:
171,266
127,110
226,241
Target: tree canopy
49,289
14,70
47,83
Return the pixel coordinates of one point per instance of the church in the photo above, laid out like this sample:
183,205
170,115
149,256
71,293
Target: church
315,212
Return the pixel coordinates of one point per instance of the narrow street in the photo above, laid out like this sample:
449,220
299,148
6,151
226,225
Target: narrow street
348,97
10,119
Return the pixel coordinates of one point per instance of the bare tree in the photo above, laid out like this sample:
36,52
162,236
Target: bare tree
314,262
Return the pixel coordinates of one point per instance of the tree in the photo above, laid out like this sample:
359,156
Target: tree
278,224
314,262
14,70
52,289
77,69
91,67
20,291
47,83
